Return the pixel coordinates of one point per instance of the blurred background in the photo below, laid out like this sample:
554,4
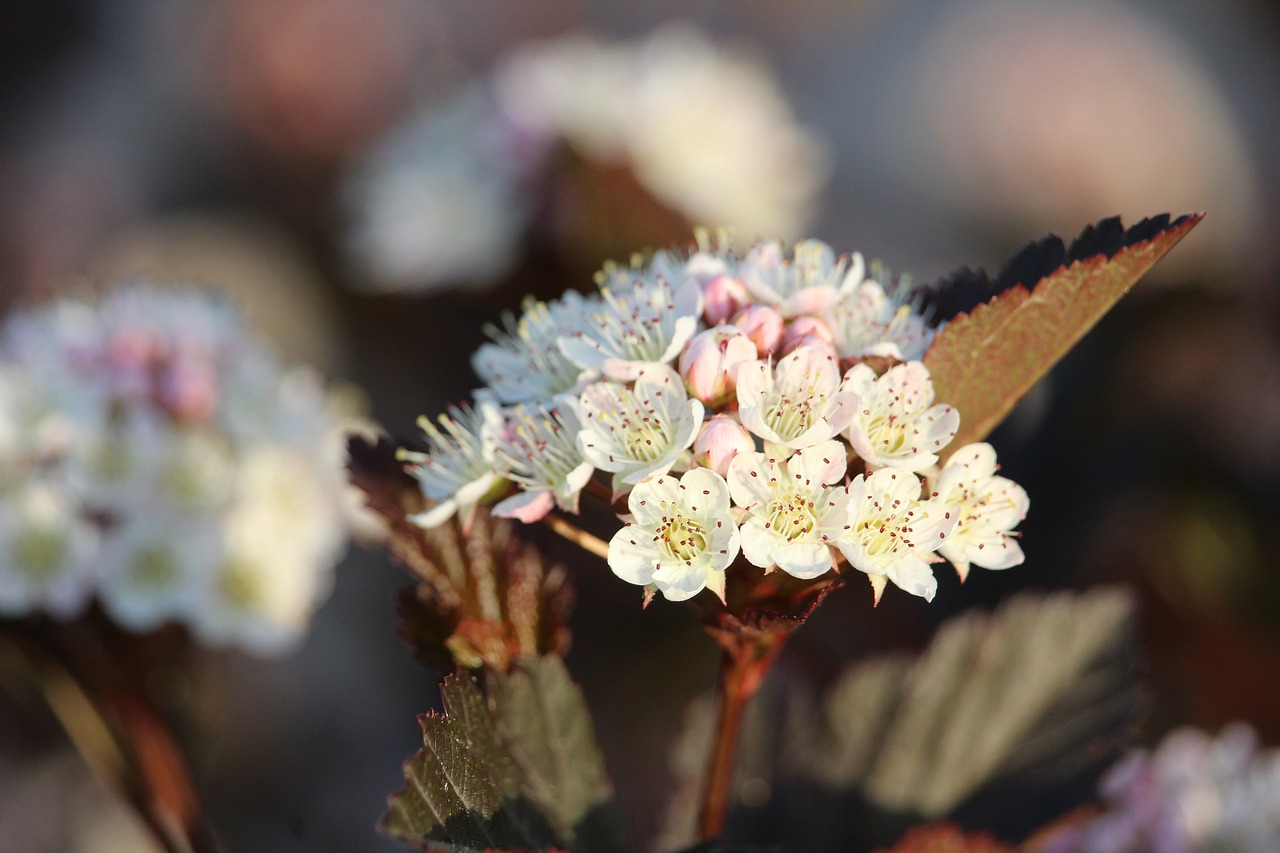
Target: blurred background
377,179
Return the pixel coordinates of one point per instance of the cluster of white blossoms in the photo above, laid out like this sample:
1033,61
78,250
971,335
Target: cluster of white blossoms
157,457
732,399
444,199
1194,794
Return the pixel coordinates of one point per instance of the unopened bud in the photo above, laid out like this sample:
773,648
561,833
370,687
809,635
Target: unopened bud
763,325
722,438
709,364
722,297
808,331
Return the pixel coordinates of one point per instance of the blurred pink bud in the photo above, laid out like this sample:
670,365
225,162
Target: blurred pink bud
722,297
188,390
763,325
709,364
809,331
721,439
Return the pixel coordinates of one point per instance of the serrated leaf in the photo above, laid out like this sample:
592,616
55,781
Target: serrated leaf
1039,691
984,361
483,598
480,784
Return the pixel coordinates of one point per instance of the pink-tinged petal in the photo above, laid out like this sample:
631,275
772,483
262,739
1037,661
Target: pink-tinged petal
632,556
803,560
811,300
749,475
436,515
757,542
720,440
938,427
844,409
526,506
622,370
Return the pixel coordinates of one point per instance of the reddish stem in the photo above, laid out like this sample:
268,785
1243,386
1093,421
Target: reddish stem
747,658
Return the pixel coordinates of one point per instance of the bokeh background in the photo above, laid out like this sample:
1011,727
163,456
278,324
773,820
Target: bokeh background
235,142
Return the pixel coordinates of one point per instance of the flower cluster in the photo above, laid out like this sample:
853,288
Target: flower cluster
706,131
1195,793
770,404
155,455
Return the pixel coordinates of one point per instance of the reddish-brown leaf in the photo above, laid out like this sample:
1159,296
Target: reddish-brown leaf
985,361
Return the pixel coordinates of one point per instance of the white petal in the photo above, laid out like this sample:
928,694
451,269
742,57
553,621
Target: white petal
803,560
757,542
913,575
749,475
706,491
631,556
437,515
823,464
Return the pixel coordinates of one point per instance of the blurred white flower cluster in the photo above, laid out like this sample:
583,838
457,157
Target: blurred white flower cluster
155,455
444,199
1194,794
785,383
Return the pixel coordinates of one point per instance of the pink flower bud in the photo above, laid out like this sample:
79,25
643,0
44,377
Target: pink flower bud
722,297
709,364
763,325
808,331
721,439
188,390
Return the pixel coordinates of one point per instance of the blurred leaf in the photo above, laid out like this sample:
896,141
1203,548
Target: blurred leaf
997,706
1040,305
483,598
946,838
523,773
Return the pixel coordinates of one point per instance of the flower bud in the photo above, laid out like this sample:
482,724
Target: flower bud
721,439
763,325
722,297
808,331
709,364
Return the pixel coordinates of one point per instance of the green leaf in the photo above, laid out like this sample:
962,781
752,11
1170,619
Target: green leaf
521,772
1031,695
984,361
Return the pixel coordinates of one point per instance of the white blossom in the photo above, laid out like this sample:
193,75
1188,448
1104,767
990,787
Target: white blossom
458,468
807,282
153,568
891,533
870,322
640,431
46,548
537,448
796,403
524,363
987,508
642,317
681,537
896,422
795,508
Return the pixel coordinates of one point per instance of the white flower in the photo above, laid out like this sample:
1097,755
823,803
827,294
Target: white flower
796,403
538,449
795,507
642,318
987,507
458,468
46,547
870,322
681,537
706,131
524,363
153,567
640,431
891,532
438,202
896,422
808,282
